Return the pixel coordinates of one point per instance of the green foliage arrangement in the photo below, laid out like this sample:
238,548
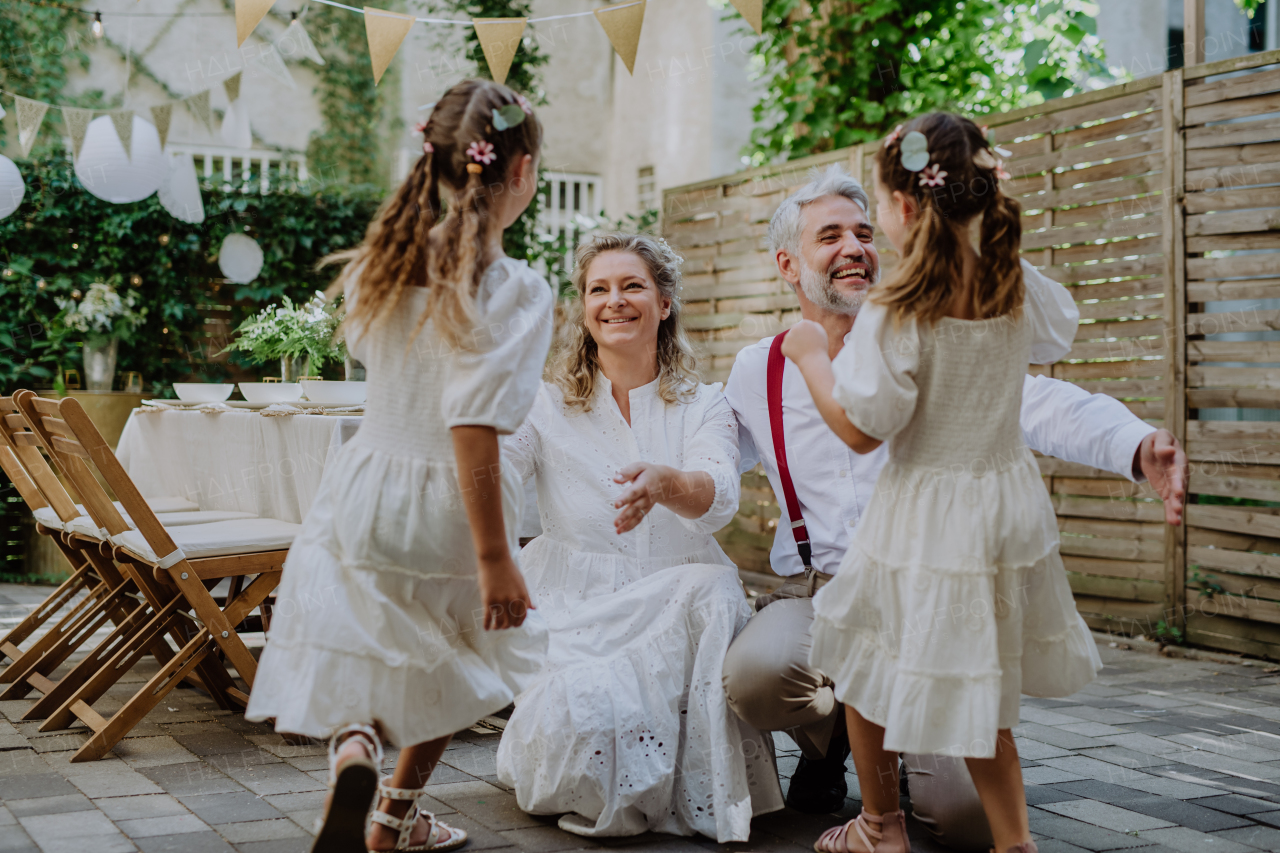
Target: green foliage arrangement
844,73
62,239
102,314
292,331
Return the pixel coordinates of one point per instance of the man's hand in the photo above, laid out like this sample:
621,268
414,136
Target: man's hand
1164,463
506,598
805,339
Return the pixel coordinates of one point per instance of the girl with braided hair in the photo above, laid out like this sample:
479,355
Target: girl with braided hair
402,614
952,599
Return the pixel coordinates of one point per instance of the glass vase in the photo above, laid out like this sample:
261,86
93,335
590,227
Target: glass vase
293,368
100,364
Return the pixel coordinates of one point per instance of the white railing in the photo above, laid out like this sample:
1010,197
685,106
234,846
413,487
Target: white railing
570,207
237,164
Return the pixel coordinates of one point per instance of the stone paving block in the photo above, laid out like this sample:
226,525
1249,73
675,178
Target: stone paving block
494,808
15,840
1028,750
1103,792
1091,768
1234,749
445,774
1091,729
276,845
1055,845
261,830
1045,717
65,804
1190,841
1232,701
148,827
237,807
1185,813
1037,794
1261,837
1238,805
296,802
147,805
479,836
1106,815
1155,728
189,842
1164,787
552,839
59,742
275,779
1267,818
1081,834
106,777
13,709
1054,736
1096,689
21,762
309,763
6,817
190,779
1145,744
152,751
473,760
1122,757
1150,700
1044,775
275,744
1212,761
90,830
44,784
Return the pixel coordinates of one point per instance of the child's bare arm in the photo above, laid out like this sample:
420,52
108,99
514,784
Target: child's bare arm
808,349
506,598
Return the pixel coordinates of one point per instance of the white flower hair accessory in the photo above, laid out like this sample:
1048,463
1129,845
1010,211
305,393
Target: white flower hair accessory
914,151
933,176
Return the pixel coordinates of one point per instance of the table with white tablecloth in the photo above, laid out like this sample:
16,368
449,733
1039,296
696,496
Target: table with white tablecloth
237,460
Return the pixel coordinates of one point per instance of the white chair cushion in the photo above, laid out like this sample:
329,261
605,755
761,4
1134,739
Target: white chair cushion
46,516
218,539
85,526
158,505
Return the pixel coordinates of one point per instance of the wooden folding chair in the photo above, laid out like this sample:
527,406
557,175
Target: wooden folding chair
159,558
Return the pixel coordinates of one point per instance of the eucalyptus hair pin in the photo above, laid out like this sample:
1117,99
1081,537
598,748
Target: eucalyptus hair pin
509,116
914,151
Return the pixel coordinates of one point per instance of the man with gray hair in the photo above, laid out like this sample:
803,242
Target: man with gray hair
822,242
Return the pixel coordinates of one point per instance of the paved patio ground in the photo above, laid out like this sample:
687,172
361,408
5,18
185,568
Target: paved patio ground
1157,755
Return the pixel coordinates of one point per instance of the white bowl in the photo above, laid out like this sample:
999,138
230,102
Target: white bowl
334,393
271,392
202,392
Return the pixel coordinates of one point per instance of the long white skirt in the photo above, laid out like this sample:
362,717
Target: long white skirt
628,729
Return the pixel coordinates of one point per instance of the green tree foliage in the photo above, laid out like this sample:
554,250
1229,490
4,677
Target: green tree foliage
62,239
847,72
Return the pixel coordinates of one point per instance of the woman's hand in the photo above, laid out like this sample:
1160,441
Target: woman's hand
650,485
506,598
805,339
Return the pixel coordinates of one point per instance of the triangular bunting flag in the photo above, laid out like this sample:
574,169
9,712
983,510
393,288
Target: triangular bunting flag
296,41
30,117
160,116
499,39
232,85
77,122
199,106
385,31
621,23
268,60
753,12
123,120
249,13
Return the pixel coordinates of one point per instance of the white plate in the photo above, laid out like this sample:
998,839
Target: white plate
271,392
202,392
334,393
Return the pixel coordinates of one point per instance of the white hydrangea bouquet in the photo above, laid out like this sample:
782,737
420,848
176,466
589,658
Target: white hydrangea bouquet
292,331
102,314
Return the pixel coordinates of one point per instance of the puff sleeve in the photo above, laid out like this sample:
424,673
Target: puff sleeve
493,381
1051,310
713,448
875,373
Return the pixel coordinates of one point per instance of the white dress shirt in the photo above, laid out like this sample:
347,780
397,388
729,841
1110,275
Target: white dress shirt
833,484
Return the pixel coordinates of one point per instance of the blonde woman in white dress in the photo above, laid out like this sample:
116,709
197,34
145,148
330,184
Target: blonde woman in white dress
401,614
952,599
635,464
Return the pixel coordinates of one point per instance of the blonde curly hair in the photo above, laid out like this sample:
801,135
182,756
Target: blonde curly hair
574,367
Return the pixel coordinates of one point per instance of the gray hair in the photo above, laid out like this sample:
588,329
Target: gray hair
788,220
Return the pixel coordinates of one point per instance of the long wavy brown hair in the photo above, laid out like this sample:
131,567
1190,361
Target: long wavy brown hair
419,239
577,359
924,283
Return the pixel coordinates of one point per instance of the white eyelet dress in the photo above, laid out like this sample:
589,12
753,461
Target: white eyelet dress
379,615
628,728
952,600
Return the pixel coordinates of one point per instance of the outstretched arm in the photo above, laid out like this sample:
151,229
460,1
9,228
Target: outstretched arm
688,494
806,345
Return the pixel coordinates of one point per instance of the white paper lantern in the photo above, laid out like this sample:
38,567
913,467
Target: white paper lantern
112,175
12,187
180,192
240,258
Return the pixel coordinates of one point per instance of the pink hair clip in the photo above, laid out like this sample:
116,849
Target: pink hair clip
482,152
1002,173
524,104
428,148
893,137
420,127
933,176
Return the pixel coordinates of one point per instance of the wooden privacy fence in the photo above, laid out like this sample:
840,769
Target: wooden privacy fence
1158,203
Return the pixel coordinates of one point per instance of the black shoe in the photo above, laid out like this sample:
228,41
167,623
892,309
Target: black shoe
819,786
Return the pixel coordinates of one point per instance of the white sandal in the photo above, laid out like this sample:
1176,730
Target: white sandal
442,836
353,785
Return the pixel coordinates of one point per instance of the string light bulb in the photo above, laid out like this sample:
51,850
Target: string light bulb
97,28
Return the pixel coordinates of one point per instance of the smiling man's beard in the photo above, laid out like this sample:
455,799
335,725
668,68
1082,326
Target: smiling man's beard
821,291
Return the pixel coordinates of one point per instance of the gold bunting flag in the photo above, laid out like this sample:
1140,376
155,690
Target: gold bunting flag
249,13
123,120
77,122
232,85
199,106
30,116
753,11
160,116
385,31
499,39
621,23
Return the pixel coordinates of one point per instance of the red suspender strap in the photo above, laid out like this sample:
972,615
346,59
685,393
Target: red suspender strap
777,362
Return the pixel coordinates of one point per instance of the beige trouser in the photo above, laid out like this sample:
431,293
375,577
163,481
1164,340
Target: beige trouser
770,685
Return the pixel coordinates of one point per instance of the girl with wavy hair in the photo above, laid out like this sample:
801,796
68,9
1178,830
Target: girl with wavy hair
635,464
402,613
952,599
